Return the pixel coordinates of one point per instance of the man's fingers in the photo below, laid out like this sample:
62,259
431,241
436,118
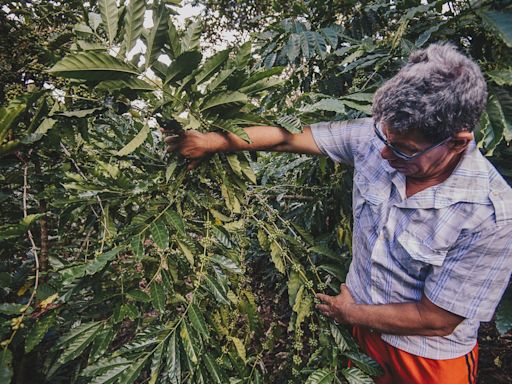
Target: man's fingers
194,164
172,139
325,298
173,147
324,309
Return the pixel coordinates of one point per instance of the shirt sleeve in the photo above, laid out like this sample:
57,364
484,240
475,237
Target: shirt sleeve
474,275
341,140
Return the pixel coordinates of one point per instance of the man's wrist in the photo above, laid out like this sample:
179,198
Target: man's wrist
350,314
216,142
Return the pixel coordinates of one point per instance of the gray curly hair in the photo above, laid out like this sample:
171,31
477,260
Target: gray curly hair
438,92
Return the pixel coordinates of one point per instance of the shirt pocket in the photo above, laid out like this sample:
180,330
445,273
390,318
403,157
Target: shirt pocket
419,251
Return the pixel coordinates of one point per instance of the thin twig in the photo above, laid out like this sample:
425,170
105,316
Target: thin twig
34,251
34,247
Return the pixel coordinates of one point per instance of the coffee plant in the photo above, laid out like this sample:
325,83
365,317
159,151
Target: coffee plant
119,265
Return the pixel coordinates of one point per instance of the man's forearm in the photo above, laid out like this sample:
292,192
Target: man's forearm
264,138
399,319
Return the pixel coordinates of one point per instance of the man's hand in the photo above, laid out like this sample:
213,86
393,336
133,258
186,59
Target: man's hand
192,145
337,307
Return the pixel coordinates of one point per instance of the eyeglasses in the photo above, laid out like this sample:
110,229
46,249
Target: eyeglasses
401,154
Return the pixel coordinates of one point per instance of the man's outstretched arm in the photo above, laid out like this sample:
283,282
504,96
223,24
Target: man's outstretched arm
195,145
422,318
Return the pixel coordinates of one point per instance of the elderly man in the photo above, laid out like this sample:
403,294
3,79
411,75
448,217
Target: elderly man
432,217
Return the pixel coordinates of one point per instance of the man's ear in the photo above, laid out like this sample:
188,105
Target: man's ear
460,141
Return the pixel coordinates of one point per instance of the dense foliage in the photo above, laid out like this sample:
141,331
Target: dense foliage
119,265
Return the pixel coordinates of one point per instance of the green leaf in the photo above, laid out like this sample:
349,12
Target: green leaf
424,36
197,320
501,77
187,252
333,105
240,348
38,332
294,284
231,127
364,362
340,341
156,363
7,117
215,372
133,23
170,170
261,85
304,305
138,295
137,247
160,234
291,123
262,74
111,375
110,17
494,125
11,308
101,342
131,83
504,313
211,65
263,239
101,261
366,108
191,37
247,170
243,55
226,263
157,293
173,371
331,35
224,98
135,142
88,46
183,66
319,44
505,100
187,343
105,365
293,47
218,291
361,96
270,60
95,66
501,22
323,250
276,254
307,44
320,376
222,236
356,376
174,40
156,38
6,371
132,373
175,220
77,340
78,113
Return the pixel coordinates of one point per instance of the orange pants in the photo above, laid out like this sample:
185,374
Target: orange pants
401,367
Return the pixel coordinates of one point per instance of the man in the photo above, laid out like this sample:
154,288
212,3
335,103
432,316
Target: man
432,217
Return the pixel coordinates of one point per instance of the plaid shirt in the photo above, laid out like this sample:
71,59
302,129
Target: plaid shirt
451,242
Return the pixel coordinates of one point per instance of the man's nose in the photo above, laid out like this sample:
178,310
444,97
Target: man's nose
387,154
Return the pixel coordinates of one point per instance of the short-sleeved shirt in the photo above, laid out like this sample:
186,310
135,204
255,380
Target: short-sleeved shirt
451,242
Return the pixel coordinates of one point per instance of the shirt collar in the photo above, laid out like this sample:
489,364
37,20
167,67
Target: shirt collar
468,183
